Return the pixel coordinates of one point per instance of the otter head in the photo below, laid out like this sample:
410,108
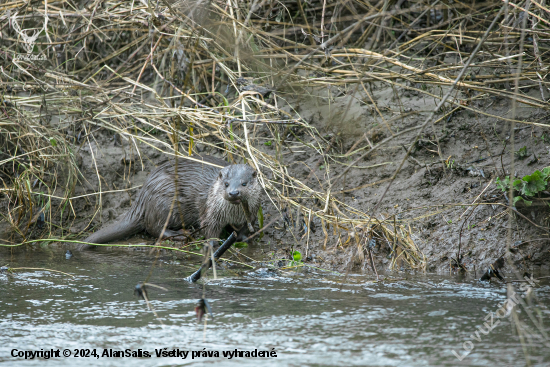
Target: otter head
236,181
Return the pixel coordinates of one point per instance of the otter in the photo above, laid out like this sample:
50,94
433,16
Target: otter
208,197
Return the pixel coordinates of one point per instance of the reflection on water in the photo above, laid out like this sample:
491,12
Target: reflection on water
306,318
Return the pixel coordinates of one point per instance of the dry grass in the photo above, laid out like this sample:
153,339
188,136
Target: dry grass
153,73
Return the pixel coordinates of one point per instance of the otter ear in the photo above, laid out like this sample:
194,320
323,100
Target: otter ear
254,174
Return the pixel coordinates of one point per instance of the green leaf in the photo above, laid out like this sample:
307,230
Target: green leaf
268,143
546,173
526,202
517,184
261,220
231,132
240,244
522,153
53,142
504,184
297,256
533,184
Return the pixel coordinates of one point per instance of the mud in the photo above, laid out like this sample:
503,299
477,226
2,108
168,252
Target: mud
428,195
429,192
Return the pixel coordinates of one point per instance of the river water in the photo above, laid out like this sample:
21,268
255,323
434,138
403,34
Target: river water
303,317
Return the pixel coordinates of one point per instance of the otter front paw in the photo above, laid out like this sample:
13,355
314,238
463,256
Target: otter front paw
243,233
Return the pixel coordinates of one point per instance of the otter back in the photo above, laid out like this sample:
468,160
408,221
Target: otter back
193,194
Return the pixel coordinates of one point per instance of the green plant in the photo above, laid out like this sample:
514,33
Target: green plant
527,186
522,153
261,220
534,183
297,258
503,184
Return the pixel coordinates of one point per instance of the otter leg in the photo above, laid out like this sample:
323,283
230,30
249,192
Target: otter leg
242,234
171,233
213,231
175,235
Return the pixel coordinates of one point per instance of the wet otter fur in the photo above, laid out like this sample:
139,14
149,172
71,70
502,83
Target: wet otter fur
208,197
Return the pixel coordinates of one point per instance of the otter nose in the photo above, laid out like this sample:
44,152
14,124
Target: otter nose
234,193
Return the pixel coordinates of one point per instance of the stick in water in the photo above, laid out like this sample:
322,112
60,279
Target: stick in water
219,252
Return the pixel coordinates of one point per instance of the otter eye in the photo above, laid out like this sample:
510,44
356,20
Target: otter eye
244,183
227,184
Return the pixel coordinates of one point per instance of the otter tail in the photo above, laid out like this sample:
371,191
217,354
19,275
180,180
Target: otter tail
126,227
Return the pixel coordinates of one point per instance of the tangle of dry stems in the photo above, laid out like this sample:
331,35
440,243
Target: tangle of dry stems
170,75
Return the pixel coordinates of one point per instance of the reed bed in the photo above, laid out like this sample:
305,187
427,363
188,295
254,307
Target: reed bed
172,76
